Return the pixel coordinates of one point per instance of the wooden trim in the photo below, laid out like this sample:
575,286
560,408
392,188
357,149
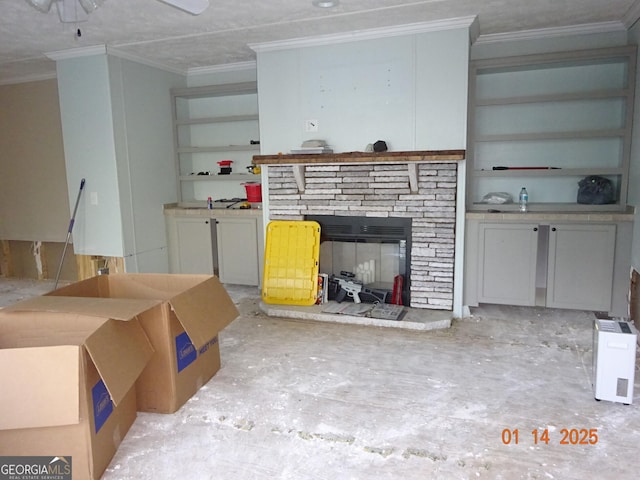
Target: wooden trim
361,157
39,257
116,265
88,265
6,265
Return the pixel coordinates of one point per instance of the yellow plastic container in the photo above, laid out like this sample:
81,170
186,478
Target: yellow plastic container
292,251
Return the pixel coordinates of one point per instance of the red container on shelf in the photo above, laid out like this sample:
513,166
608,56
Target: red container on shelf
254,192
225,163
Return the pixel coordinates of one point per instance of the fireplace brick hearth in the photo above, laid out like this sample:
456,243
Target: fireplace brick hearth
423,191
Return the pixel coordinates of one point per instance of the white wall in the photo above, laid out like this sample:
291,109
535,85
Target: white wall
408,90
88,137
145,161
116,119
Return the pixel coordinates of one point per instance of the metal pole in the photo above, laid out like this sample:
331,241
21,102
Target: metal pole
69,230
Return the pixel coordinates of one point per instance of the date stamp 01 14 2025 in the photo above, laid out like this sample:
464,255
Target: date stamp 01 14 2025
568,436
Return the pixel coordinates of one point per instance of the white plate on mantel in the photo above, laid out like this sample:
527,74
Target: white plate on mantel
304,150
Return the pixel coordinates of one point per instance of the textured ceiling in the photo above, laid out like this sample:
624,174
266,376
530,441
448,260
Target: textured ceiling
158,33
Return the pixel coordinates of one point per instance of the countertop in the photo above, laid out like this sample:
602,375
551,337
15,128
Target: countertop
220,211
556,216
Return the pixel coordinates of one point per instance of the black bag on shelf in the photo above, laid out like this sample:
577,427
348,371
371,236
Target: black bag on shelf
595,190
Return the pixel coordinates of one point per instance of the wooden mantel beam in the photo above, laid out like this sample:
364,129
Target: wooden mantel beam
361,157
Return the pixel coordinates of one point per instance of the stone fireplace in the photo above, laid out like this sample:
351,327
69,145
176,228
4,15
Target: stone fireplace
420,186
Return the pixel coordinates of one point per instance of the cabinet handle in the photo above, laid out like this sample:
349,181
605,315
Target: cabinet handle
207,222
535,229
553,229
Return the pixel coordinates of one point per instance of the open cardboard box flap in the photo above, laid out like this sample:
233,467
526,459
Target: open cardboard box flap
200,302
204,310
117,309
155,286
40,357
120,351
152,285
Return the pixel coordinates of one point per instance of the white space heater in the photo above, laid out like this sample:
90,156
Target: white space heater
614,360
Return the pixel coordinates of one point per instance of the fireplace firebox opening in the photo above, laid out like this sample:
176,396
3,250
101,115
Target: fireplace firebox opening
376,251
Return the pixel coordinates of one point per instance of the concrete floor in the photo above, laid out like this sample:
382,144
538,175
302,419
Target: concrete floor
299,399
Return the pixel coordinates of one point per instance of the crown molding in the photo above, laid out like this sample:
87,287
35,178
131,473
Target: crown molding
367,34
633,14
104,50
474,30
552,32
144,61
29,78
77,52
228,67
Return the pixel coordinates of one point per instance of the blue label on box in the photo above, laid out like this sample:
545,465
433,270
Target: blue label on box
186,352
102,404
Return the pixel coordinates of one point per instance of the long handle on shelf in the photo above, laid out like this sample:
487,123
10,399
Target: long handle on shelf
526,168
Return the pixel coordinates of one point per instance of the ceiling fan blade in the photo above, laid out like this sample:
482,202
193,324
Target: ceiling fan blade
194,7
41,5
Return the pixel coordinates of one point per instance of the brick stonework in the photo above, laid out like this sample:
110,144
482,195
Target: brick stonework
383,190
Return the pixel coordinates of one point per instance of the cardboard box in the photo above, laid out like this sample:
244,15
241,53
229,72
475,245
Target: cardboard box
183,329
68,382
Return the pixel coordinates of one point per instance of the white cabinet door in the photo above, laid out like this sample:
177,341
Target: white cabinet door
238,253
507,263
194,248
580,271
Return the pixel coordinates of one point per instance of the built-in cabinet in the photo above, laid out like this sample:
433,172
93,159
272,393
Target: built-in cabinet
227,244
507,263
238,250
556,265
214,124
580,266
545,122
571,263
192,250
